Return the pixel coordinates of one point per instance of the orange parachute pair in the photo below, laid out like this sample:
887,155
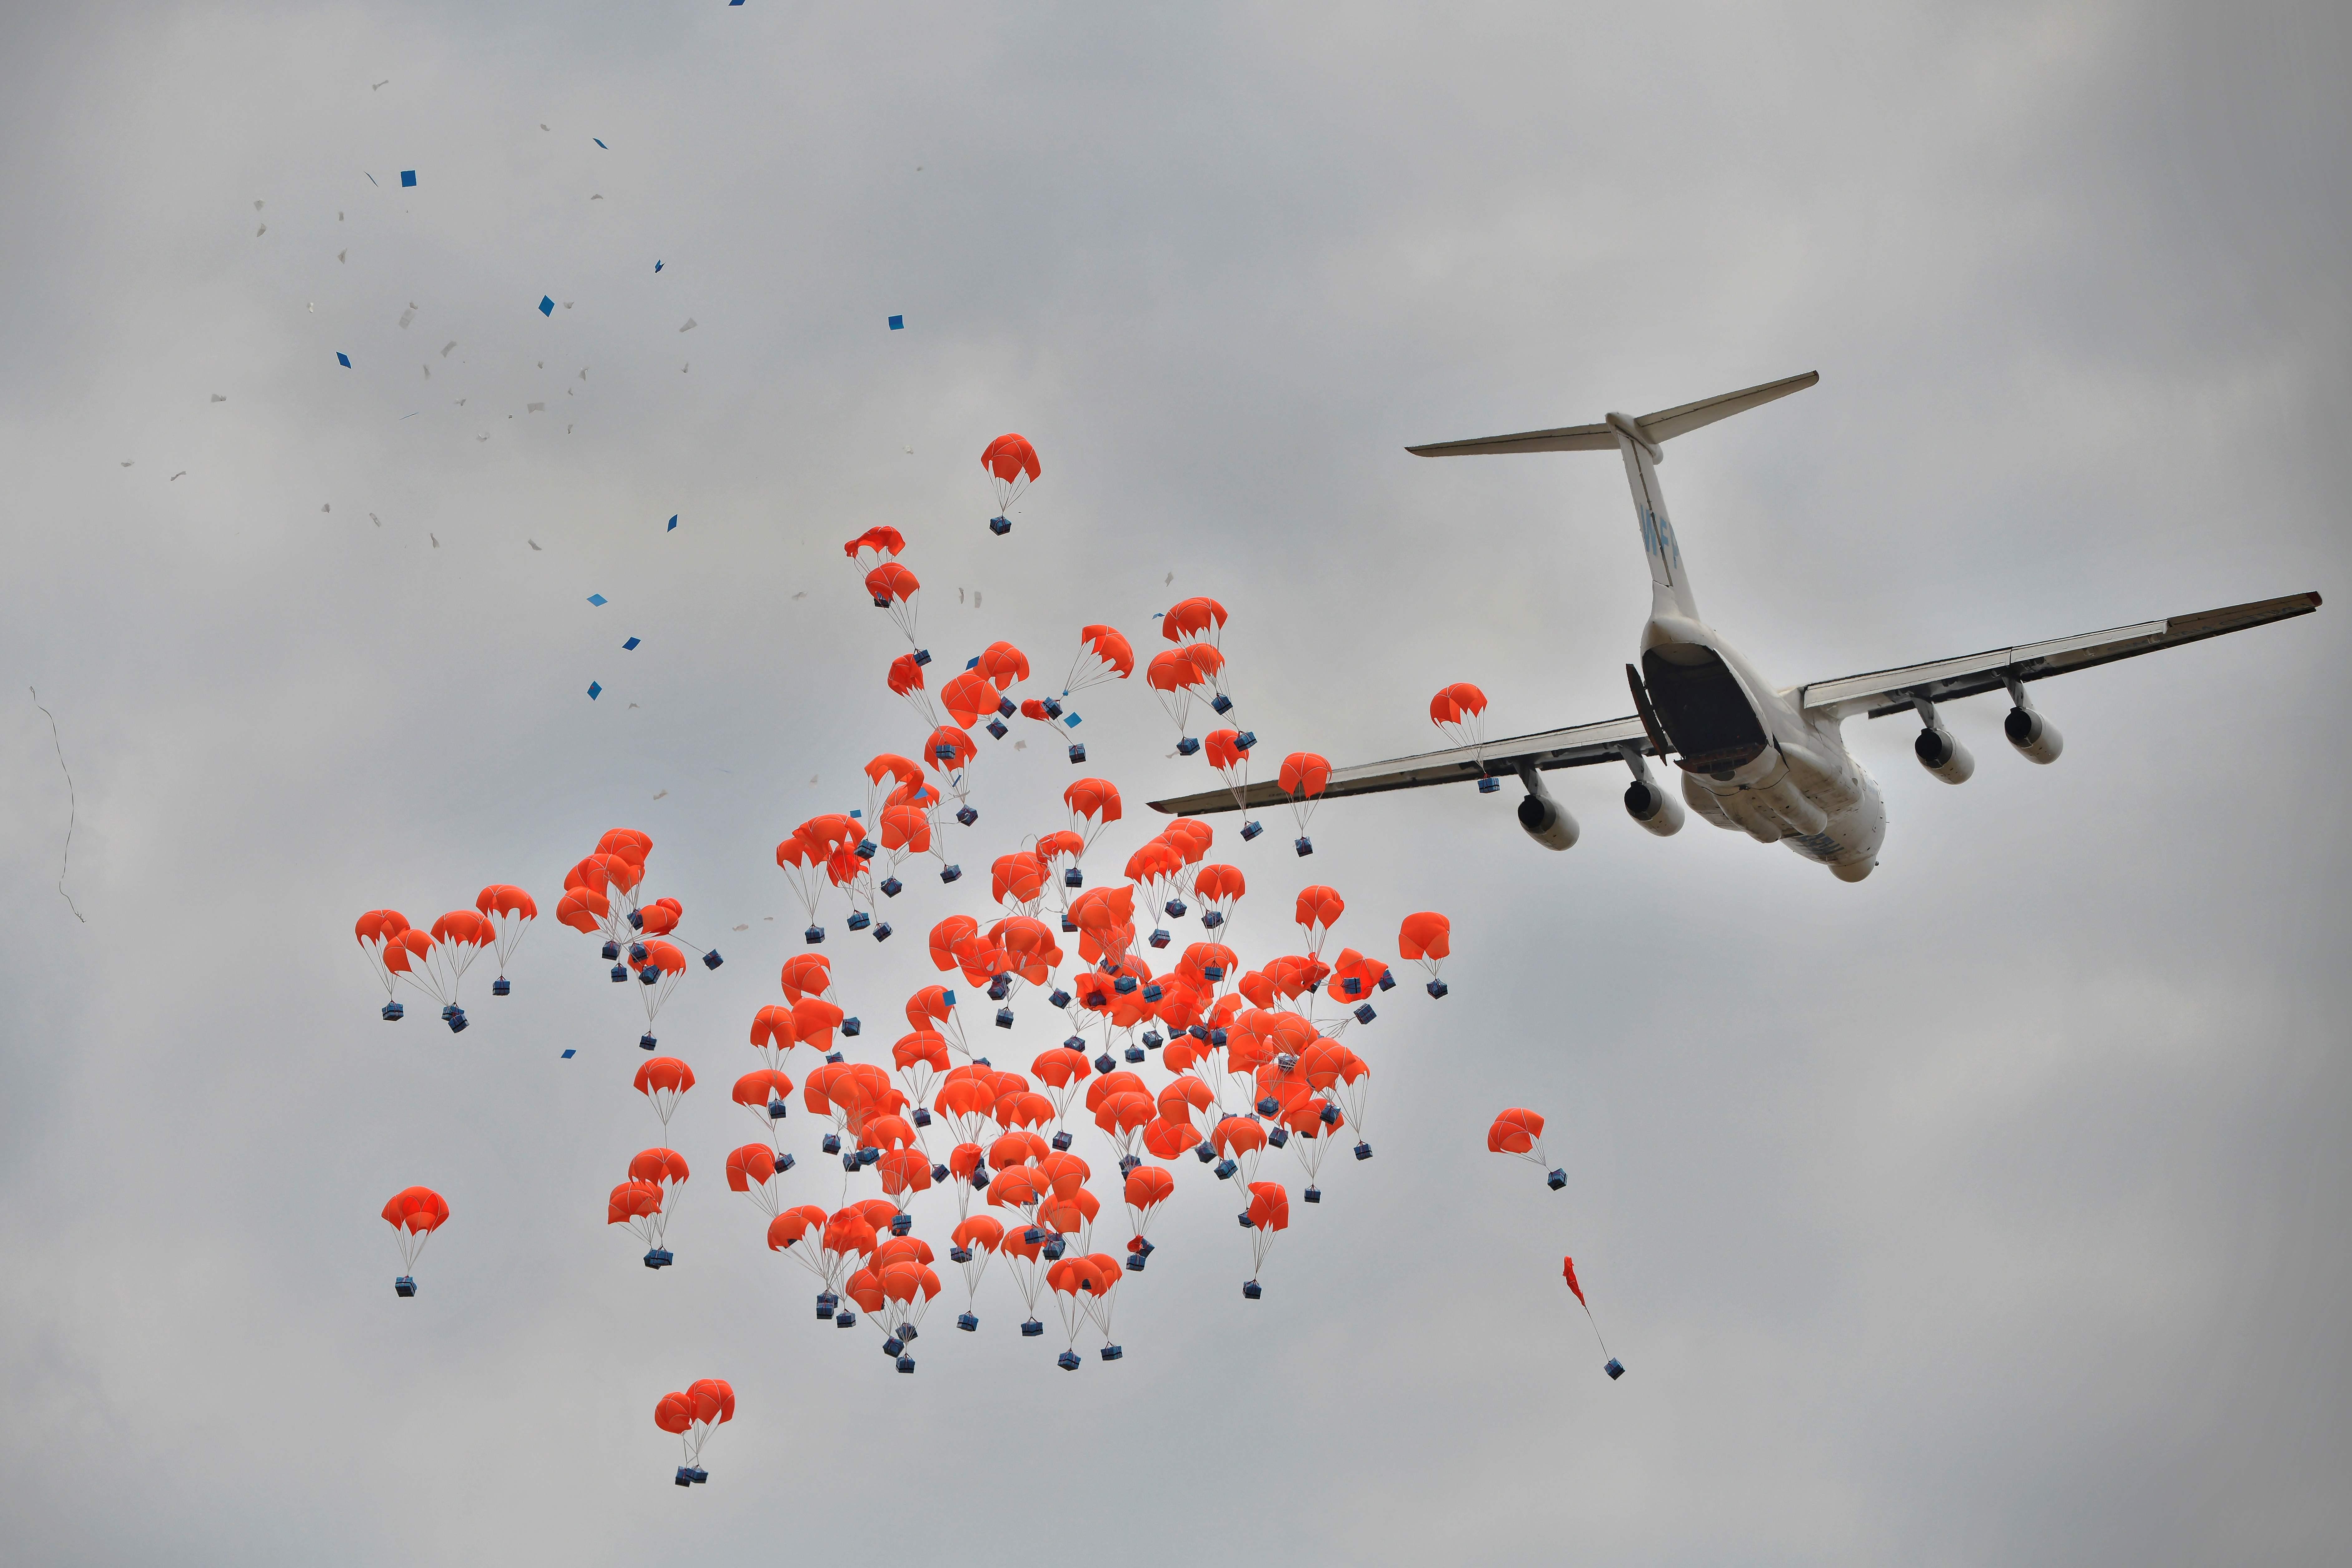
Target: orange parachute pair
692,1415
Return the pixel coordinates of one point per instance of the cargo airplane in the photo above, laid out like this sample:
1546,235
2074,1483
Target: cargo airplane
1770,762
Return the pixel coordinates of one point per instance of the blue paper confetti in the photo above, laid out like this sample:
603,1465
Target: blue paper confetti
567,1055
897,323
596,598
630,644
600,141
408,176
673,524
595,690
546,305
657,266
1072,721
345,359
370,179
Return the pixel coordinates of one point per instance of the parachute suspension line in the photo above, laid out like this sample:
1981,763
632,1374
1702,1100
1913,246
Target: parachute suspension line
1596,1325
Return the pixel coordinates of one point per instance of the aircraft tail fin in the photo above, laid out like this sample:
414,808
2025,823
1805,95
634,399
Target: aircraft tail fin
1639,440
1654,429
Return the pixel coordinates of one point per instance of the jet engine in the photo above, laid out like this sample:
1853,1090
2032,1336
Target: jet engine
1546,820
1653,807
2037,740
1940,753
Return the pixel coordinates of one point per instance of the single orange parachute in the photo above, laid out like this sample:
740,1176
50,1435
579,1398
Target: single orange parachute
1318,909
1094,805
933,1009
752,1171
1459,710
583,909
893,588
663,1081
374,930
1517,1131
638,1205
968,696
872,547
1018,880
1228,750
766,1093
458,939
1427,938
1194,620
1304,777
948,752
1002,664
1012,463
657,965
1148,1186
509,910
1171,676
414,1214
1218,887
1209,677
1104,654
773,1034
906,680
1268,1212
806,974
1612,1366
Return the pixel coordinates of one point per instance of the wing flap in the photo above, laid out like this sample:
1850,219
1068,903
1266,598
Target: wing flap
1575,747
1884,691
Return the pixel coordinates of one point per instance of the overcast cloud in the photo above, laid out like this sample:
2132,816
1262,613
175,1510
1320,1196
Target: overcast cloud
1993,1210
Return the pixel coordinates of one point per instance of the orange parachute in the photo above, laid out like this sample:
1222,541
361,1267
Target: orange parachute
1427,938
1519,1131
906,680
1194,620
1304,777
893,588
1459,710
1228,750
414,1214
1104,654
968,696
509,910
872,547
663,1081
1012,464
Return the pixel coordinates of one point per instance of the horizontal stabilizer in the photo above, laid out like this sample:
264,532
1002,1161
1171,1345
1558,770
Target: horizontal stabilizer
1664,425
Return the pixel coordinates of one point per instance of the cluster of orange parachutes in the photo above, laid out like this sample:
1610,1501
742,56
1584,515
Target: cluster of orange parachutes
1158,1054
434,962
1242,1059
603,896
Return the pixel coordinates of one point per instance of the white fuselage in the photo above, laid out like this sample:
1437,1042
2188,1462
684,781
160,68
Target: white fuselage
1752,760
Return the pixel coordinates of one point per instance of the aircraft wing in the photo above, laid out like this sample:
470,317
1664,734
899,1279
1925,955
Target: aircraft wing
1571,747
1884,691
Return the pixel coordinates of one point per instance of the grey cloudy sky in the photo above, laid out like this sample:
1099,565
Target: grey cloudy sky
1991,1210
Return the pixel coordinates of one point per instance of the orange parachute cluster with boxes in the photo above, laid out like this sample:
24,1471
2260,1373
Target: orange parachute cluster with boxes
1112,1022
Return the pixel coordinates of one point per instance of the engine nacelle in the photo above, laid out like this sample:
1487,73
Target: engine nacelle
1546,820
1940,753
1653,808
2037,740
